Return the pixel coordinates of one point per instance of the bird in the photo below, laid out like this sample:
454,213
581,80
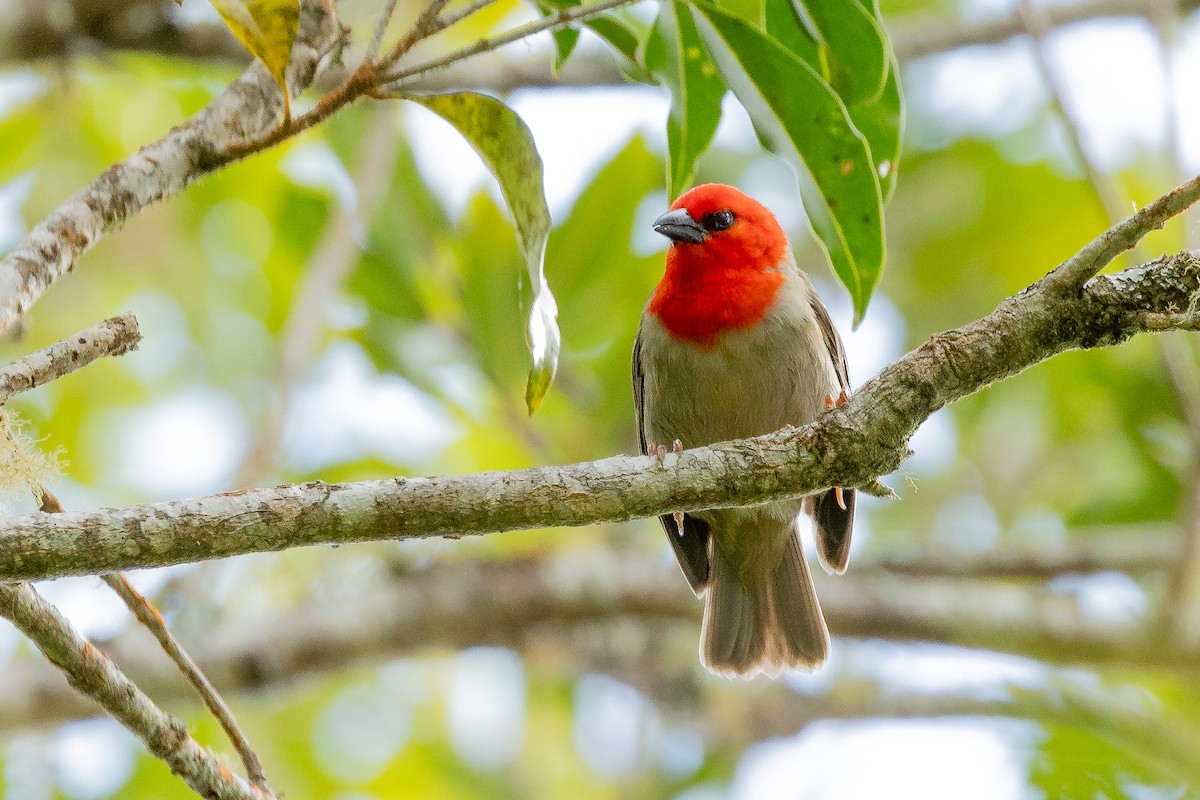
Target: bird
734,342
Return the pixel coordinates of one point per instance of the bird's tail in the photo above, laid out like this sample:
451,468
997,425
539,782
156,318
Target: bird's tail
764,618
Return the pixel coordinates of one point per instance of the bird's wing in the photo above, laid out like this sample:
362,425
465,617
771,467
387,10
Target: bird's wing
690,545
833,520
833,342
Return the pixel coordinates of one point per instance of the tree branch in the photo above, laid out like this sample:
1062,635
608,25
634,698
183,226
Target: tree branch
920,35
238,124
847,446
115,336
1133,549
157,30
245,110
1134,728
533,605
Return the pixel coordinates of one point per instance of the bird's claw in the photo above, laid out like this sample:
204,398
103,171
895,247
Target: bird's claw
842,397
659,451
838,403
677,448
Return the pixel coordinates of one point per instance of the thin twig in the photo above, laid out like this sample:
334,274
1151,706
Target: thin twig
372,81
385,18
1164,16
557,20
112,337
1037,27
1125,232
1099,253
469,9
426,25
148,615
1180,608
91,672
1176,617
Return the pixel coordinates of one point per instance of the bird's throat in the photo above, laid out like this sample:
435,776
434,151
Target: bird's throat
697,306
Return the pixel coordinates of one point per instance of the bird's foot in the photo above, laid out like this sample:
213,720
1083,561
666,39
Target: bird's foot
838,403
842,397
659,451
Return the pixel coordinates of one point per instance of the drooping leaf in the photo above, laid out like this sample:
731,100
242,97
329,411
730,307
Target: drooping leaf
507,148
799,117
676,55
267,28
565,40
619,32
854,48
878,117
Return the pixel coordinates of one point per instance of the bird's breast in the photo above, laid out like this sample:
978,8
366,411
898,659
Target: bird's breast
746,382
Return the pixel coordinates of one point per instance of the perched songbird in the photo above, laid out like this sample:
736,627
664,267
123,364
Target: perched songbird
735,343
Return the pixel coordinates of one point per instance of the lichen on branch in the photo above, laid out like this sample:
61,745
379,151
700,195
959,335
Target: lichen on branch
847,446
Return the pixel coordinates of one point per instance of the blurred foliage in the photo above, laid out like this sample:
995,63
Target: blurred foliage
429,325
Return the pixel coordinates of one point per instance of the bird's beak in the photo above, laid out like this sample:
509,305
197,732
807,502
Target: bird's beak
678,226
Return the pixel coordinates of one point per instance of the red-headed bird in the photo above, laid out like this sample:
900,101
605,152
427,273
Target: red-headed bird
735,343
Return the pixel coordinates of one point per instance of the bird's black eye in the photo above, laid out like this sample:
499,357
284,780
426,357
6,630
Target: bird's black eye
717,221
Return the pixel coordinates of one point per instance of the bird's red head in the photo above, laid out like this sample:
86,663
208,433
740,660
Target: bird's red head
723,267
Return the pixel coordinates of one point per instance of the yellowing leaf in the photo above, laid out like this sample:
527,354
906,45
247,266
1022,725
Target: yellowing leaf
267,28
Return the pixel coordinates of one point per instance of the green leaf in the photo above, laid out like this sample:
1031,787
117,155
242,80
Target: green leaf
565,40
267,28
799,117
507,148
751,11
881,121
878,117
626,39
855,50
784,25
619,32
676,55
